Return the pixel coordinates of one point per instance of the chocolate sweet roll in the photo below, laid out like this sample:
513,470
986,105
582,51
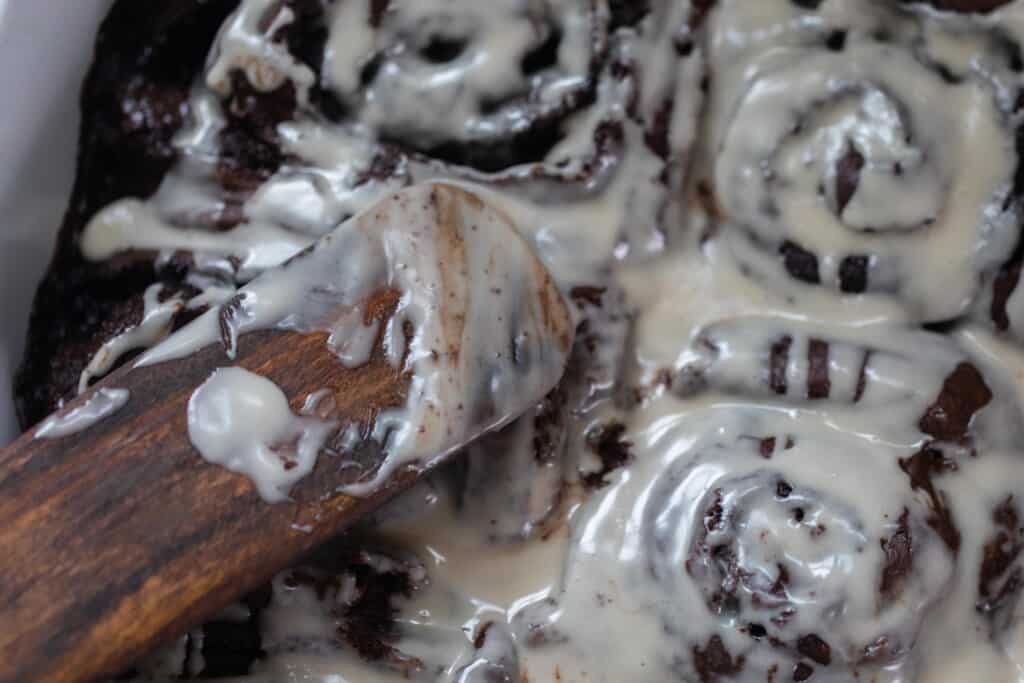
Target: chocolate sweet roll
868,148
465,81
792,569
761,540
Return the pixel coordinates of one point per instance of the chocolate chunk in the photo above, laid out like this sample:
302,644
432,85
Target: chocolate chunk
714,661
898,550
814,648
778,362
783,489
614,452
853,274
848,170
800,263
963,394
921,467
766,447
818,384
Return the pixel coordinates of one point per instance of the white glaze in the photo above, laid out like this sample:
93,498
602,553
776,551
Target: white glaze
157,318
593,585
104,403
242,421
788,110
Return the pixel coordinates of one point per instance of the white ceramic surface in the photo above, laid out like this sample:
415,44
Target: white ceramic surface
45,49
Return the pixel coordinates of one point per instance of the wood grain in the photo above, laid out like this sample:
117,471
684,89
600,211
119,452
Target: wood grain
121,535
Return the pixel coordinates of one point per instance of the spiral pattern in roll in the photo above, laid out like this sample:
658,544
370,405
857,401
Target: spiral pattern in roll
872,155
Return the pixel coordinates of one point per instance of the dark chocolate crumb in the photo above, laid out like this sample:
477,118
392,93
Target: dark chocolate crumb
800,263
853,274
714,661
814,648
802,671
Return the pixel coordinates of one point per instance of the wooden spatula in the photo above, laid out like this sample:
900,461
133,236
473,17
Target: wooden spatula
115,532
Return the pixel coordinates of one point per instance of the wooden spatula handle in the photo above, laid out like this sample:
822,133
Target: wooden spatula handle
121,534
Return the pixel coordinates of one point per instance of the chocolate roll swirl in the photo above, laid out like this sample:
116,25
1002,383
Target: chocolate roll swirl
438,76
790,545
836,164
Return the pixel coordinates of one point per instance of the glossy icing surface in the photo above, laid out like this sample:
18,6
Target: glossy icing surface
788,443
